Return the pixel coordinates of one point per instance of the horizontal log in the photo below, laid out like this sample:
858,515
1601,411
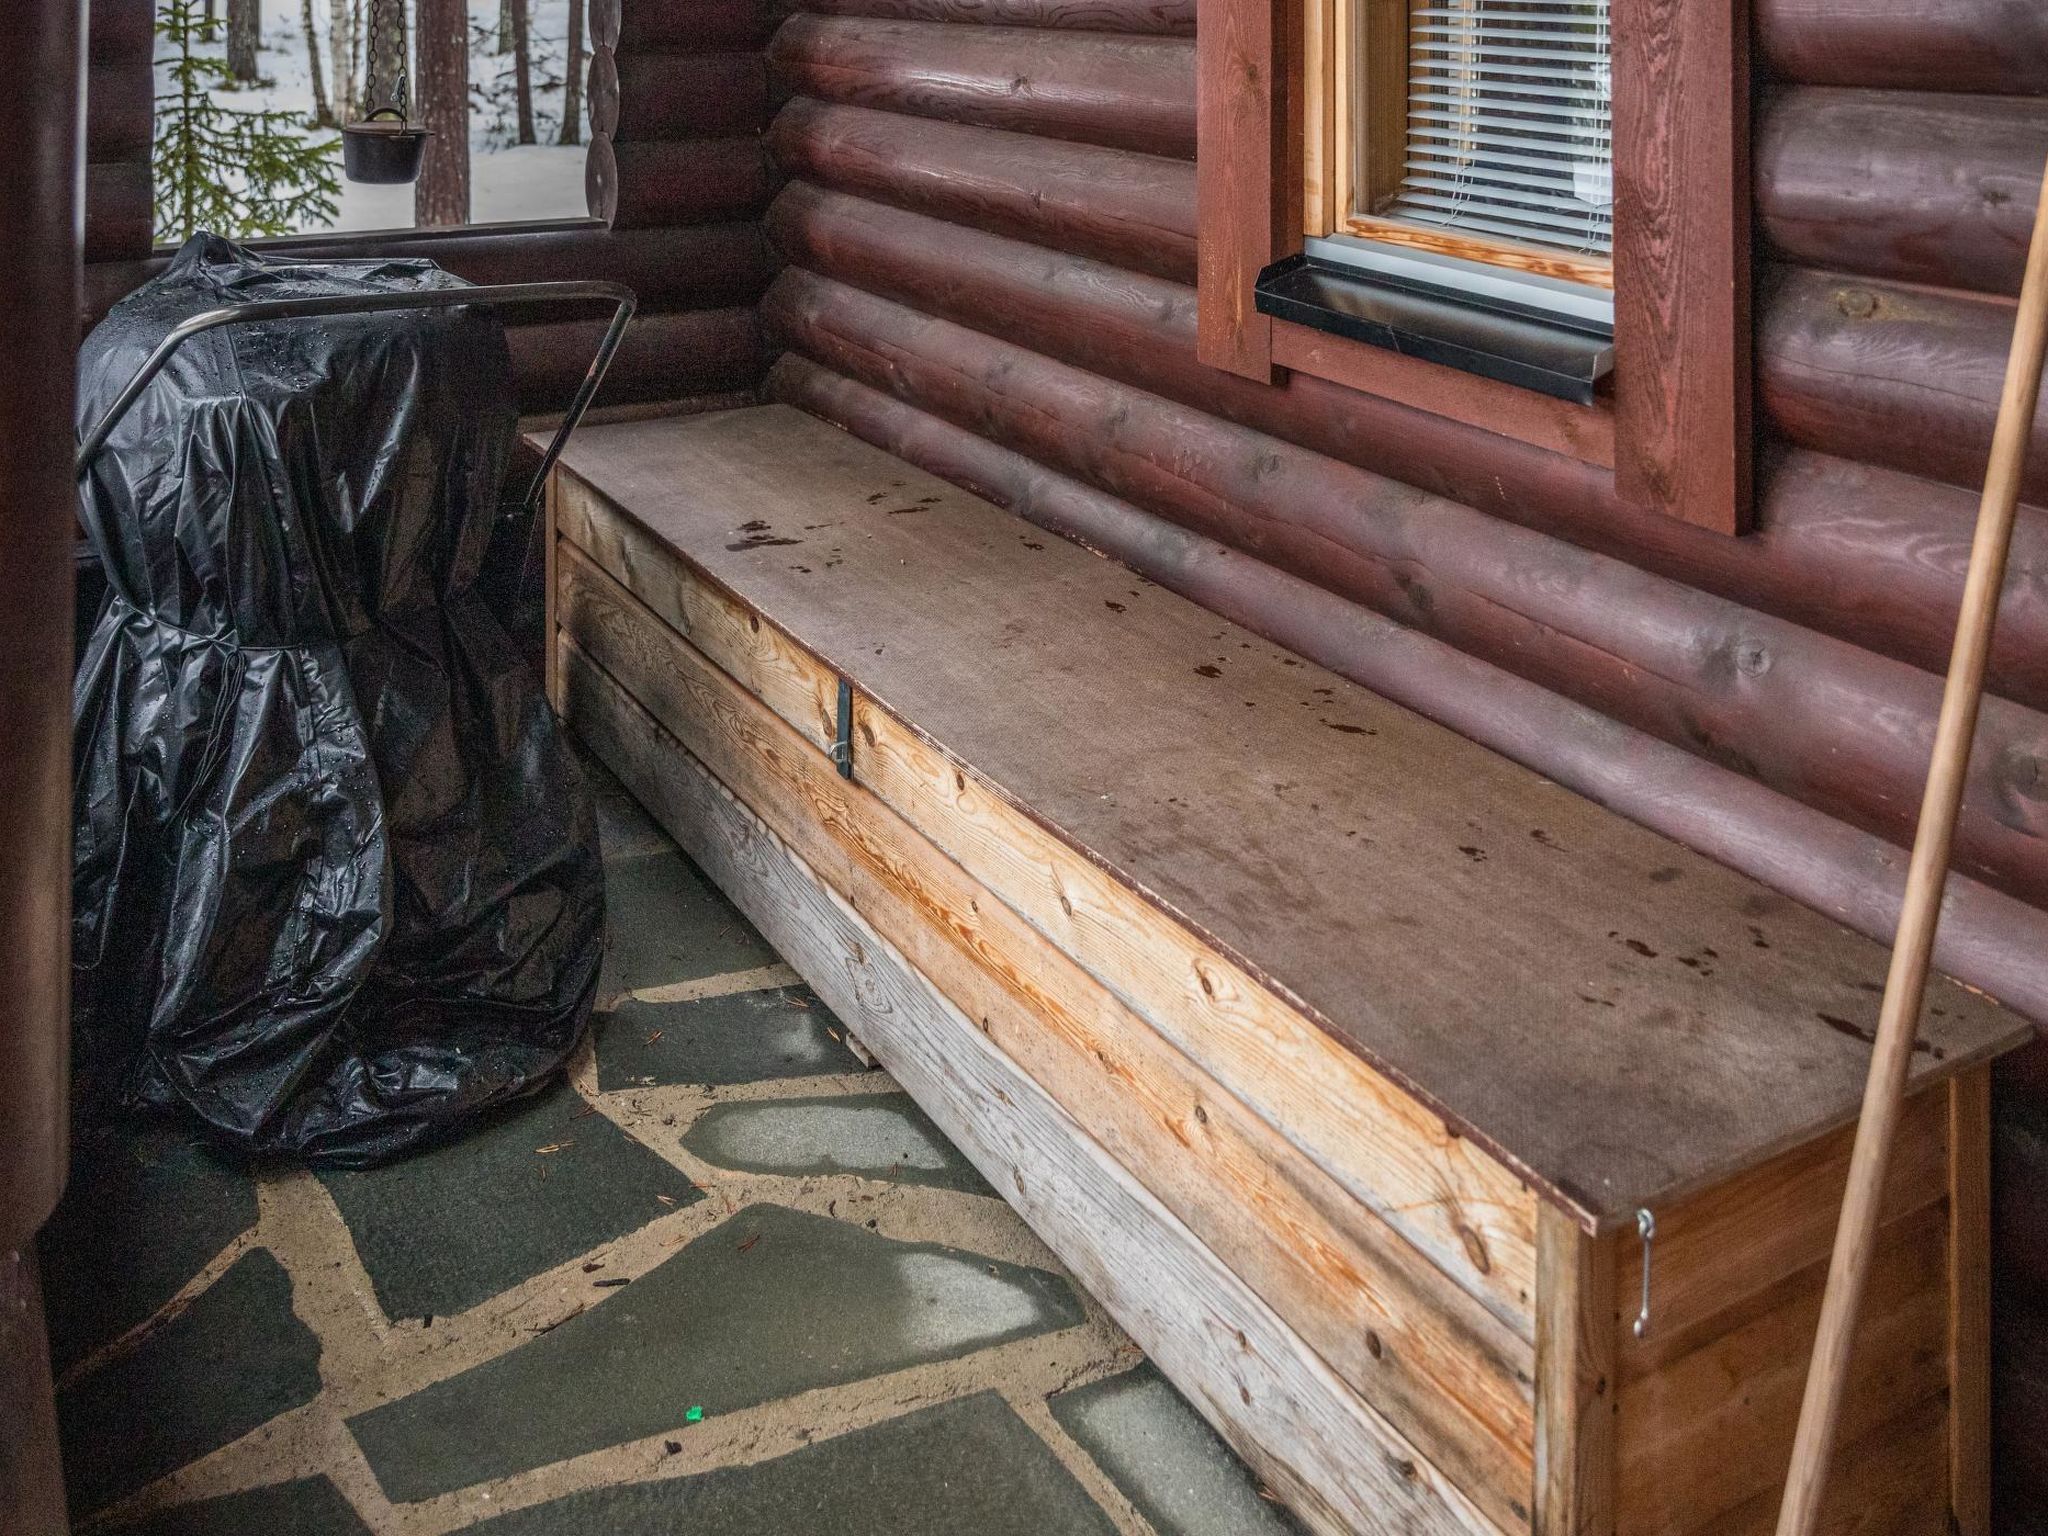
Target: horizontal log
637,97
1824,722
120,110
629,26
1917,187
1865,554
1986,938
1134,211
1986,47
701,266
120,210
1904,377
1140,18
664,357
121,31
1135,93
686,181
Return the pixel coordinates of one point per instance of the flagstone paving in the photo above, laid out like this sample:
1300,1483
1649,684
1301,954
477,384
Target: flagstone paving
720,1281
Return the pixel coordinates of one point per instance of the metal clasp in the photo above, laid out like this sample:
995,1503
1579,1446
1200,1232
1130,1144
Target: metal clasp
1646,1229
842,744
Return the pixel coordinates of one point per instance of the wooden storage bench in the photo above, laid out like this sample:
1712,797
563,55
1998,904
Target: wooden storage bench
1335,1054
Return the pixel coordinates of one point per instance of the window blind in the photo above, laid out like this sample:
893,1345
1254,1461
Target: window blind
1509,124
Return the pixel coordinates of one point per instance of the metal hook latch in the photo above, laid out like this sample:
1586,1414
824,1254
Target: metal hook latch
1646,1229
842,743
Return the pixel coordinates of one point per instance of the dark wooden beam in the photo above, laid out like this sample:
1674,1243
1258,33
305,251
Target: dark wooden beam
1141,18
638,97
1905,377
1984,47
1135,93
1917,187
1683,439
684,181
1134,211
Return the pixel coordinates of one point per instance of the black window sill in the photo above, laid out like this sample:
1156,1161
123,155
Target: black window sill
1552,354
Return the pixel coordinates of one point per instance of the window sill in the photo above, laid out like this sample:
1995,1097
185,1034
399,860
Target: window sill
1550,356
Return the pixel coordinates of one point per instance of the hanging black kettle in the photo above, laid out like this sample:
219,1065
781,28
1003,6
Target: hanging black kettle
383,148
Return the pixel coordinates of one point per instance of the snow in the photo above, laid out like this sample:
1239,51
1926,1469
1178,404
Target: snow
508,182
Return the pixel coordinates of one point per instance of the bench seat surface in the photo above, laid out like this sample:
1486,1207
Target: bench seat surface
1619,1019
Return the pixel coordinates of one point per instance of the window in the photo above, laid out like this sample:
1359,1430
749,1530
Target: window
1478,130
250,93
1528,216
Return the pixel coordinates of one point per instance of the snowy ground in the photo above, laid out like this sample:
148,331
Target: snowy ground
507,181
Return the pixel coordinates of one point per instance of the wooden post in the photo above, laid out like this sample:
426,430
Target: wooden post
1898,1020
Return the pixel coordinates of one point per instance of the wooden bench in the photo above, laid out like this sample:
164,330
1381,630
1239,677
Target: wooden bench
1335,1054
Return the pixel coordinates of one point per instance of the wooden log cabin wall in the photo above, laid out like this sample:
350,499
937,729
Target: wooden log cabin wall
676,174
987,242
990,232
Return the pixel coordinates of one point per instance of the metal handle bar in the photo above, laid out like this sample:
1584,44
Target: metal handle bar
379,303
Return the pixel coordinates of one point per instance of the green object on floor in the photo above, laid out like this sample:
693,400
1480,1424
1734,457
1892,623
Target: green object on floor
965,1468
770,1303
695,1415
455,1225
235,1358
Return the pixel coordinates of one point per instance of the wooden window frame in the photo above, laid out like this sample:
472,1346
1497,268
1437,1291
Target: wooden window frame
1677,438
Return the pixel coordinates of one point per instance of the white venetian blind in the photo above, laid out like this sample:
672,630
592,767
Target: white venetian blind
1509,130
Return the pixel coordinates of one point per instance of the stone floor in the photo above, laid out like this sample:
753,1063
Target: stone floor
722,1280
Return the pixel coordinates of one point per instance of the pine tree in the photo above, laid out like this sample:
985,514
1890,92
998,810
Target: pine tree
229,170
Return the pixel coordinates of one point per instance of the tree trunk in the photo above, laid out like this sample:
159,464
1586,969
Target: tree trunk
572,84
323,114
341,54
245,36
212,11
507,35
522,69
441,196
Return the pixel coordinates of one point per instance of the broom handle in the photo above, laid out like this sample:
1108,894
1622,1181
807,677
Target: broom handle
1912,950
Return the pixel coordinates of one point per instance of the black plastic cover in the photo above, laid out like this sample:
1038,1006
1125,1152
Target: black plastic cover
337,884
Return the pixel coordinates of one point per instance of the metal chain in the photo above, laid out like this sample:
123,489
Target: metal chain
402,97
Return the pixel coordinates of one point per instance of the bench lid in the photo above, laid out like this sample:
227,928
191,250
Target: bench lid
1620,1019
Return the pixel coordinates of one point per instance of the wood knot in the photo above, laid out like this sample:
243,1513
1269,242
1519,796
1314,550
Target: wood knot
1856,303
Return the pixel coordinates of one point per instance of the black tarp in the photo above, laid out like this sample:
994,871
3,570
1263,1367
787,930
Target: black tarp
337,884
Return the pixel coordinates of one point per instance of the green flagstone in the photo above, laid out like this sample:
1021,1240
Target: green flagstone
455,1225
770,1303
1166,1458
668,923
234,1359
145,1210
743,1037
966,1468
877,1135
311,1506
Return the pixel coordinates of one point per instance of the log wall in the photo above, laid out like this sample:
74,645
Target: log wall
677,99
990,238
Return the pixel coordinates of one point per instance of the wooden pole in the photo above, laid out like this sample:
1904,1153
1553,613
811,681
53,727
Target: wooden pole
1905,984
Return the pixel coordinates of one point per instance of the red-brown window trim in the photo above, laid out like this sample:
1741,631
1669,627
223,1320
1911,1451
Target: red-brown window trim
1676,431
